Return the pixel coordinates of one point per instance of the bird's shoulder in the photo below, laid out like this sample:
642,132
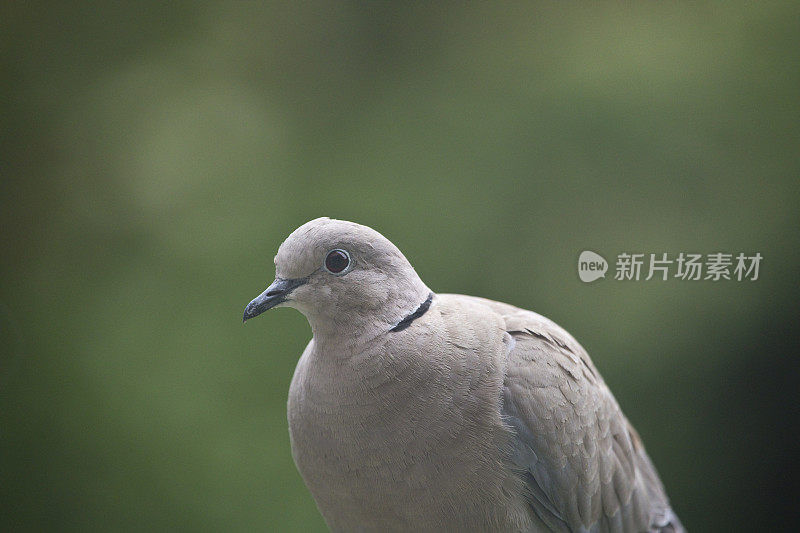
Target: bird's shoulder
533,342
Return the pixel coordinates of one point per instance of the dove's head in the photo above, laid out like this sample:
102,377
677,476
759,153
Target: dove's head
341,274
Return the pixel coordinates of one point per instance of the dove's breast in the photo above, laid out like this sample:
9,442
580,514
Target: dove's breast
406,435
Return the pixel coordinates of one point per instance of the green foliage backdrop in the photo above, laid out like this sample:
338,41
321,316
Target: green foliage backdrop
155,154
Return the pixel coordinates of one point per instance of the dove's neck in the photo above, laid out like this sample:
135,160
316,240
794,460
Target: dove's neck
394,308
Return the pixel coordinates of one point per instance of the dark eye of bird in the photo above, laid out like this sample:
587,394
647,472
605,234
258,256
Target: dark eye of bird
336,261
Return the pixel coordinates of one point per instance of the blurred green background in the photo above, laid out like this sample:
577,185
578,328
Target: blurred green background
155,154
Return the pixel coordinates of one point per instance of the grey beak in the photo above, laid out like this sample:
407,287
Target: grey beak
275,294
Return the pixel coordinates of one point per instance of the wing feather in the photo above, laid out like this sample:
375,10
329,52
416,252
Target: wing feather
584,465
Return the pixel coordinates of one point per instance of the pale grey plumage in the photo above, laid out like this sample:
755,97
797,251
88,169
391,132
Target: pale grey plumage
477,416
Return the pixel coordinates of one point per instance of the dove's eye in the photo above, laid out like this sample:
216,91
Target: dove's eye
337,261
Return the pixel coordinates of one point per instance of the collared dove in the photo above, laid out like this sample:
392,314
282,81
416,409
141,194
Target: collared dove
416,411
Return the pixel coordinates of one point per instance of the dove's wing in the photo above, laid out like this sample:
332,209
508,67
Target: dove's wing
585,466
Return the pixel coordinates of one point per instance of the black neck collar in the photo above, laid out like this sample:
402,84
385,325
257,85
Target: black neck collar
421,310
